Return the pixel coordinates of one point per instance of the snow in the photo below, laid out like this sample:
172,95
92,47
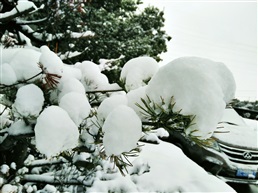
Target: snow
25,67
199,88
4,169
137,71
92,78
76,105
160,168
70,85
54,125
70,71
50,61
49,189
8,188
82,35
20,7
134,97
238,132
19,127
110,104
29,101
8,76
121,123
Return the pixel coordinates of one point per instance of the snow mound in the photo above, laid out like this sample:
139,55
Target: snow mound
29,101
70,71
134,97
8,76
122,129
200,87
138,71
92,78
185,175
8,188
50,61
25,67
55,131
70,85
110,104
76,105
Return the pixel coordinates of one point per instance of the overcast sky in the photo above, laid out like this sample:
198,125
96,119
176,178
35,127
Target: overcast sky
224,31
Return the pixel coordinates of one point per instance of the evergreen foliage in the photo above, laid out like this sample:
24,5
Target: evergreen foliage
117,28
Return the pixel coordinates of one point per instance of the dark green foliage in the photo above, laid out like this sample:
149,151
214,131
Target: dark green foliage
120,28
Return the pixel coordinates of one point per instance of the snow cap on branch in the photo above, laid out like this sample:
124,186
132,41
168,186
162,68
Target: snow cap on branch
109,104
200,87
25,63
29,101
8,76
138,71
92,78
123,129
76,105
55,132
50,61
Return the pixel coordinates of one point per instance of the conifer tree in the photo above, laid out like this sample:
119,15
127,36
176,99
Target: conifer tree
92,29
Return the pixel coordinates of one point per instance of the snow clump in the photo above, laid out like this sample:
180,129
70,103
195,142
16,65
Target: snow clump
138,71
29,101
122,130
92,78
55,131
135,97
8,76
110,104
50,61
25,67
8,188
76,105
200,87
70,85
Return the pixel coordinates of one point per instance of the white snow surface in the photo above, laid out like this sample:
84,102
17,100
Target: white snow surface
134,97
160,168
8,76
25,63
122,130
29,101
8,188
76,105
55,131
70,85
50,61
92,78
110,104
243,132
21,6
200,87
137,71
19,128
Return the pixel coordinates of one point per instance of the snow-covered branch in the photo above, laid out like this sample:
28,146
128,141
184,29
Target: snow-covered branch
47,179
27,30
23,7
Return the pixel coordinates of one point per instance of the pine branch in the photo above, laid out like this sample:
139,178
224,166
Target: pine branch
3,86
4,19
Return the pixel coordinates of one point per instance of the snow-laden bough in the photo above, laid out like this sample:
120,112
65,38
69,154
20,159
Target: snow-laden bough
122,130
55,132
138,71
199,87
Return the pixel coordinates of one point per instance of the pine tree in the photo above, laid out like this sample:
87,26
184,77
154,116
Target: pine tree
94,29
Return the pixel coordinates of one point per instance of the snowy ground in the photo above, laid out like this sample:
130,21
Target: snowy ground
167,170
